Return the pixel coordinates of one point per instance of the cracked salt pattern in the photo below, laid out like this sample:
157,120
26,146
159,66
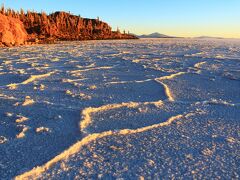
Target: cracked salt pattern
165,108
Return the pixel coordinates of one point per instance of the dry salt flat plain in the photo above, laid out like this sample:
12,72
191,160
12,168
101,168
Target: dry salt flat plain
154,109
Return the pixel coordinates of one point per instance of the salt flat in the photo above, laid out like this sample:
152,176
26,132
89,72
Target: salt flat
167,108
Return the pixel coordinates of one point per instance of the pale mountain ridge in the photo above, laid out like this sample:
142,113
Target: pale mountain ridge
154,35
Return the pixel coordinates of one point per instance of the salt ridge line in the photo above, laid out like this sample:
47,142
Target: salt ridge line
171,76
219,102
167,91
125,82
198,65
86,113
88,139
73,80
166,88
159,80
29,80
29,58
88,66
3,96
35,77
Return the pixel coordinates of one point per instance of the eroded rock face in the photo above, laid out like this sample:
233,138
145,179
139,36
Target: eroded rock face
16,28
12,31
65,26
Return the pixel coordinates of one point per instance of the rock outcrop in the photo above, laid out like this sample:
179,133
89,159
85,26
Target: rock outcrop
43,28
12,31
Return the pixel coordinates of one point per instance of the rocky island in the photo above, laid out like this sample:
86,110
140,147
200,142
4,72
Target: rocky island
18,28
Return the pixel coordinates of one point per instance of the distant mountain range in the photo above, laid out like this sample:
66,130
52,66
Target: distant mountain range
154,35
208,37
158,35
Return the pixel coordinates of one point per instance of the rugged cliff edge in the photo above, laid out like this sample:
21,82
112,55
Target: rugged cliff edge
31,27
12,31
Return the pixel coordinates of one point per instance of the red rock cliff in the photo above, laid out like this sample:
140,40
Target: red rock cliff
12,31
63,26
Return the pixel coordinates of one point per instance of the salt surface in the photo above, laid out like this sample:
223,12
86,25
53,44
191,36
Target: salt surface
120,109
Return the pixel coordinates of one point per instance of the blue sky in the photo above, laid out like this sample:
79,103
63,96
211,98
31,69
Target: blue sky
173,17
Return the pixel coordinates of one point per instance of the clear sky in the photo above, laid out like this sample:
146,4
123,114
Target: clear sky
172,17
